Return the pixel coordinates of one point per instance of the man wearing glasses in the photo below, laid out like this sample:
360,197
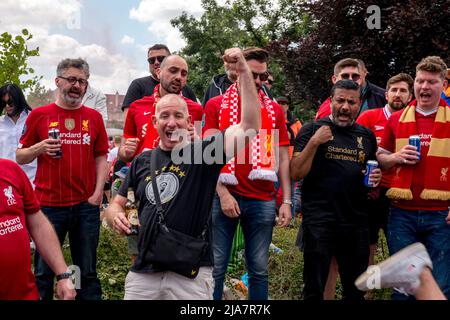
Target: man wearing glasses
245,190
143,87
355,69
70,143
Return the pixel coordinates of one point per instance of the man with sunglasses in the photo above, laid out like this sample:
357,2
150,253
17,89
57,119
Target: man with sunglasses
143,87
220,83
71,173
355,69
269,82
245,190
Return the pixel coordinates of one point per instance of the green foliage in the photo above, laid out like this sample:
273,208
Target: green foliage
240,23
285,269
14,54
333,32
39,96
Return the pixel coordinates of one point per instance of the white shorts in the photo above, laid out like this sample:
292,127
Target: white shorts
169,286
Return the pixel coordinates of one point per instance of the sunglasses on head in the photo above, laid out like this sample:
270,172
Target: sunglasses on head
353,76
152,60
262,76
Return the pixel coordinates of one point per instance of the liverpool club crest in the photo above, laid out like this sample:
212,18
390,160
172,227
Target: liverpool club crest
69,124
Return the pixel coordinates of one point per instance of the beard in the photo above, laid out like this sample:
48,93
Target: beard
397,105
72,100
171,86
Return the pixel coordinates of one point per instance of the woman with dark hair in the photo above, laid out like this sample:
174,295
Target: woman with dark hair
16,110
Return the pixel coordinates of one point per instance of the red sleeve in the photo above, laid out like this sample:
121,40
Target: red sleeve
364,120
101,143
211,117
196,111
281,126
30,202
388,140
324,110
30,132
130,130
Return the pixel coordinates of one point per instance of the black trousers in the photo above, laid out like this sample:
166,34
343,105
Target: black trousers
350,246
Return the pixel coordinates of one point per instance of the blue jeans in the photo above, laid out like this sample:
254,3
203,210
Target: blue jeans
257,220
406,227
82,222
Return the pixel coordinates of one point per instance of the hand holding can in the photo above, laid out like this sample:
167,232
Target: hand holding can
415,142
55,134
370,166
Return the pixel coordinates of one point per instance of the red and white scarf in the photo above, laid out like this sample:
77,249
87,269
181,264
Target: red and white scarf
262,146
437,182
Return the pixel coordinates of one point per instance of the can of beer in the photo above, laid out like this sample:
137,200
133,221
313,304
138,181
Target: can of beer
415,141
55,134
370,166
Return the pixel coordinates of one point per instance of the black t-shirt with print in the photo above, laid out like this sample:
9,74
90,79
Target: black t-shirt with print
334,191
186,192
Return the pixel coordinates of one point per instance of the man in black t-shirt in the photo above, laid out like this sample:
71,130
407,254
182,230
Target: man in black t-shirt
186,189
143,87
331,154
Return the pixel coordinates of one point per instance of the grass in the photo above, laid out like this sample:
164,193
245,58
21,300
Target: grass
285,269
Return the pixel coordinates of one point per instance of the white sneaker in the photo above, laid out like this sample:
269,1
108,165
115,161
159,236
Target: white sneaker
401,271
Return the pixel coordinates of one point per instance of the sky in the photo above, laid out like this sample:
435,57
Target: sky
112,36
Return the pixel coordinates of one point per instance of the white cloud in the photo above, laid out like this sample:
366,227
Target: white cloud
127,40
37,15
159,13
109,72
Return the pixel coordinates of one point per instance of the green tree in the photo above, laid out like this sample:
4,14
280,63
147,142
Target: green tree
39,96
241,23
410,30
14,54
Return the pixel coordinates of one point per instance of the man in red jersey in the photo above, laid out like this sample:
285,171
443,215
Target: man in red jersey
20,214
245,190
69,187
139,132
399,92
420,187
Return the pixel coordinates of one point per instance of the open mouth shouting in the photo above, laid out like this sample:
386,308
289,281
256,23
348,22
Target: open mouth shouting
344,116
425,96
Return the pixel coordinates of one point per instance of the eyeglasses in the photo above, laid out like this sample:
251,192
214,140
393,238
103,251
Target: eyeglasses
262,76
73,80
354,76
152,60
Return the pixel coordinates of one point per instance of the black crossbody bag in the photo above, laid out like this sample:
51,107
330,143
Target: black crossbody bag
170,249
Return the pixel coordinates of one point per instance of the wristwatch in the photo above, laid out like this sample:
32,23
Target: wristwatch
287,201
65,275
